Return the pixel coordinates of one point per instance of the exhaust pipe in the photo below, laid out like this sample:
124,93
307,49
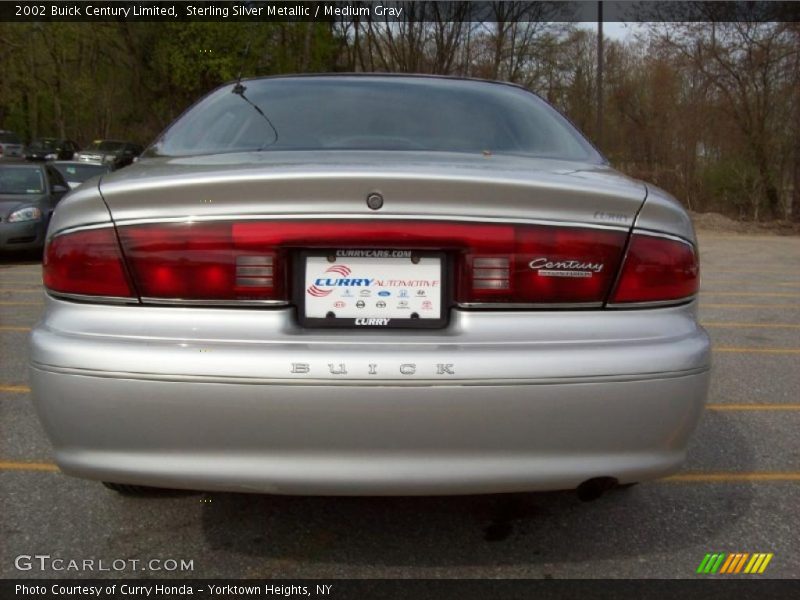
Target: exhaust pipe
593,488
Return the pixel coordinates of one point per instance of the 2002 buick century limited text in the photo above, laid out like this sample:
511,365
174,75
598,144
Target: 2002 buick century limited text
370,285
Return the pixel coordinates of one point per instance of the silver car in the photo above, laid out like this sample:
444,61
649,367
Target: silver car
11,145
370,285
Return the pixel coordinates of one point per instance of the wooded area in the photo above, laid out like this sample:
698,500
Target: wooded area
710,112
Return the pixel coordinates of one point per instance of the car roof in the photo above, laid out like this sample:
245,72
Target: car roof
83,163
373,75
22,165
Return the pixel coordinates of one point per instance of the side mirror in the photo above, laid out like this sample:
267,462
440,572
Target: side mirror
60,189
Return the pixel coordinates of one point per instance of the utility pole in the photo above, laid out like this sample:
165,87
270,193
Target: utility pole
599,125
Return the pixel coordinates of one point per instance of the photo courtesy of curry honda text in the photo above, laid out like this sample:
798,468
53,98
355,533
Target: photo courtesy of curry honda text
377,285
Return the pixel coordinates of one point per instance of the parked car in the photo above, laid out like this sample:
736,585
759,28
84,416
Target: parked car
28,195
11,145
112,152
51,149
421,285
76,172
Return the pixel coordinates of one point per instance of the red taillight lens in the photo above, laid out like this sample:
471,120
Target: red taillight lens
657,269
87,263
204,261
543,265
494,262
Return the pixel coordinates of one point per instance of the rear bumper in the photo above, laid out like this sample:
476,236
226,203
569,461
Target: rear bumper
534,401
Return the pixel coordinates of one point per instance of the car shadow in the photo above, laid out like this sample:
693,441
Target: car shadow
19,258
502,529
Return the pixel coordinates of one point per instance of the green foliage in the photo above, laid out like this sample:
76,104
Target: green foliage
709,113
129,80
730,185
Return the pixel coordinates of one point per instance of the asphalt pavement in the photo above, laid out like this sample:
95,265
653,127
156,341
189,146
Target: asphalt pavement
739,491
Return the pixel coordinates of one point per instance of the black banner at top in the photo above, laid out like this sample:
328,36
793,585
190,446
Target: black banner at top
393,11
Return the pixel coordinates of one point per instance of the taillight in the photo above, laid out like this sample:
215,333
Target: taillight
219,261
86,263
494,262
542,265
657,269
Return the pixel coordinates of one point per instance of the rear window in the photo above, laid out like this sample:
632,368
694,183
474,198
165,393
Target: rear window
366,113
106,145
21,180
45,144
8,137
80,173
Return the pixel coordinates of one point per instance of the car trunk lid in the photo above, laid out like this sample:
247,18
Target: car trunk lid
421,184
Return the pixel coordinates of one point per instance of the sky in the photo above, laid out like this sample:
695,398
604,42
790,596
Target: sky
616,30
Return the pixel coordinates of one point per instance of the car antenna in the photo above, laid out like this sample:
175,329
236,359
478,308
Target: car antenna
239,90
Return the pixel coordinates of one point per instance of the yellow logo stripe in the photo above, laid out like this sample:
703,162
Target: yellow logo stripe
766,562
754,562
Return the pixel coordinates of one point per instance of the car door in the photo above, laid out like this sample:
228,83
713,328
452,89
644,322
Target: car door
70,148
57,187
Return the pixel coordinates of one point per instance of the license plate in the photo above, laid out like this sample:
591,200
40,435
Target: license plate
372,288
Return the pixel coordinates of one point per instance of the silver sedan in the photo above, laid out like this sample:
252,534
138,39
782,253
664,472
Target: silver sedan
370,285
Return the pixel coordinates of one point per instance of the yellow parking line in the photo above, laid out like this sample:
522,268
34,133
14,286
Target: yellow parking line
38,280
732,477
784,271
12,465
756,350
21,303
747,237
753,407
765,294
723,324
13,328
734,305
17,389
706,279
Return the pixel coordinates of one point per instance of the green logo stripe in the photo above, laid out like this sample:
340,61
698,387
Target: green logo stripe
714,565
702,567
